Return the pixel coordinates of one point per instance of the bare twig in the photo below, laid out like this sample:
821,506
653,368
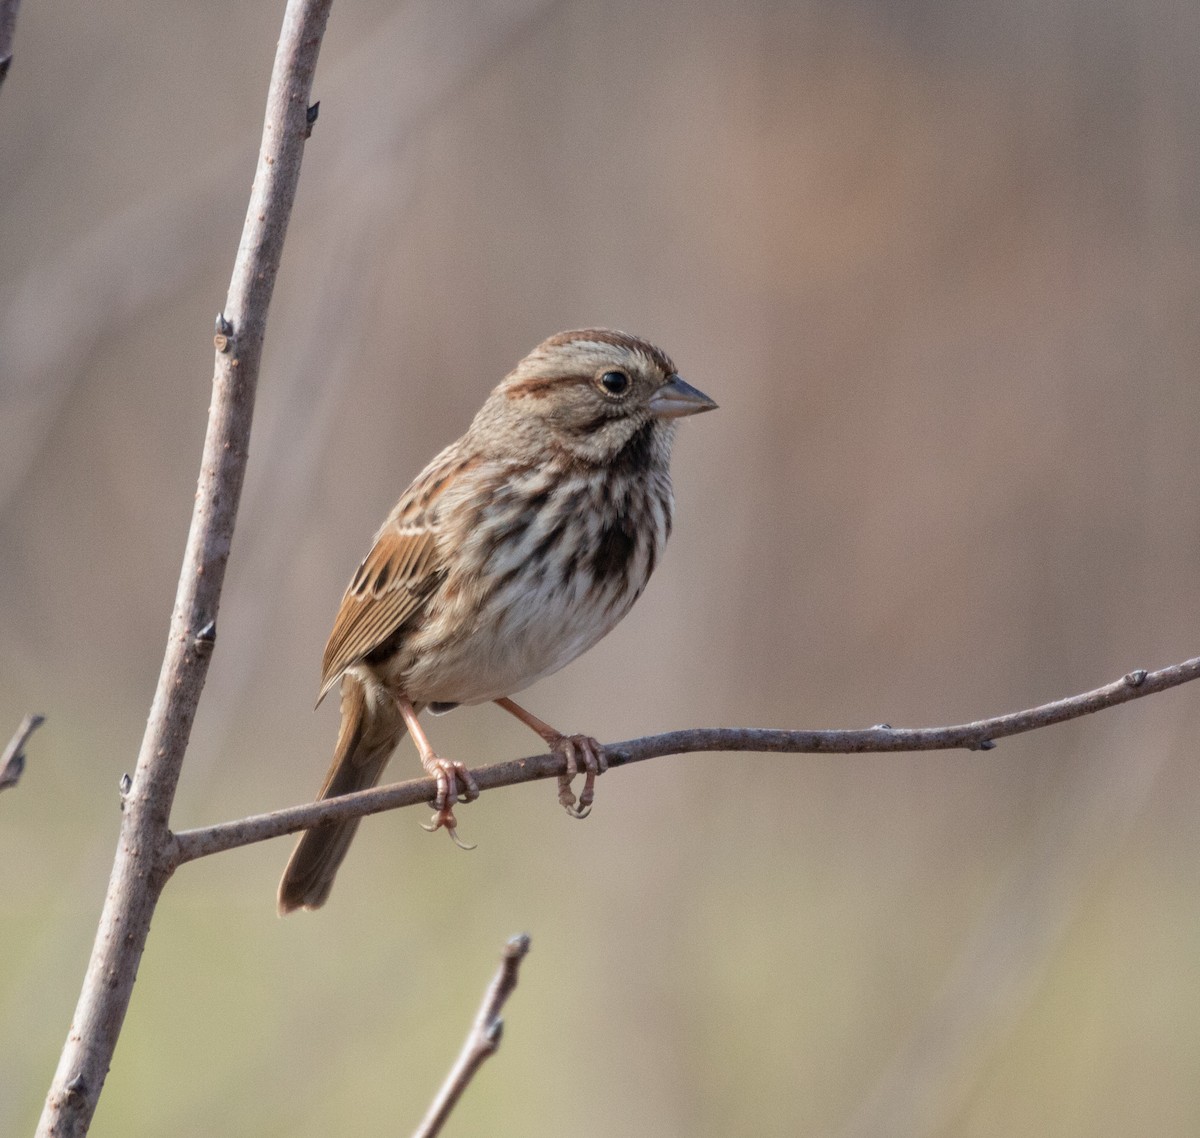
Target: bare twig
979,735
483,1040
8,29
12,762
141,867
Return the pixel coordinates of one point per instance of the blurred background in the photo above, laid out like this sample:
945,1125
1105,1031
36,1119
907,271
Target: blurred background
940,266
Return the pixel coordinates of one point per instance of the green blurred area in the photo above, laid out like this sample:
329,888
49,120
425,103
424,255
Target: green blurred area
940,267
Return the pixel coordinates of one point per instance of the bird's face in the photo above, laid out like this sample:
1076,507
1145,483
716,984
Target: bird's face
591,392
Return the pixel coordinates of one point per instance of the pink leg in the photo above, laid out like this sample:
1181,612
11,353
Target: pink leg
447,773
595,762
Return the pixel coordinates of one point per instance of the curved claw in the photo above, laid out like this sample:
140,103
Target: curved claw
444,820
449,775
468,846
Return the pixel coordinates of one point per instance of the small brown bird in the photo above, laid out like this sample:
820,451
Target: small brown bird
515,550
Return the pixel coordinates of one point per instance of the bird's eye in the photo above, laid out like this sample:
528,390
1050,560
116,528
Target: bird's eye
614,382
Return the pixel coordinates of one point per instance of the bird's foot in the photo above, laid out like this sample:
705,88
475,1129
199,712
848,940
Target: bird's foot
449,775
577,749
572,748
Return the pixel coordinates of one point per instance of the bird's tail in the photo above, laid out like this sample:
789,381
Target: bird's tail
371,728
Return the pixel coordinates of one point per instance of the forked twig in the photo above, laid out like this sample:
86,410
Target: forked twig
483,1040
12,762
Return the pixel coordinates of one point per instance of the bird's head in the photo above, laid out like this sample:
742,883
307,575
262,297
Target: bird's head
592,392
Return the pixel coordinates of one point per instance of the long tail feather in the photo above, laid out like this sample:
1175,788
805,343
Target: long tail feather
371,728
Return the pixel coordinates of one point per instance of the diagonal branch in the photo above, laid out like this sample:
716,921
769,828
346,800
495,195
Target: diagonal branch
142,865
979,735
12,761
482,1042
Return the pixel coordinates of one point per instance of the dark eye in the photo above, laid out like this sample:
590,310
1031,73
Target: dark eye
614,382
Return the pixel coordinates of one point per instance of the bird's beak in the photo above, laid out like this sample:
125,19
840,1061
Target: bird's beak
676,399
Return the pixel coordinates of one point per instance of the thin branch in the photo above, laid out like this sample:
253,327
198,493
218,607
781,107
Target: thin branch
12,762
482,1042
142,865
8,29
980,735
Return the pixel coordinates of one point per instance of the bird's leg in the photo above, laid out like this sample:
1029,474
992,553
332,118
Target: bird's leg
568,746
447,773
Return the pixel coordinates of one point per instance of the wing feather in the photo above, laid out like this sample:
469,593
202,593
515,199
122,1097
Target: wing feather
391,587
393,584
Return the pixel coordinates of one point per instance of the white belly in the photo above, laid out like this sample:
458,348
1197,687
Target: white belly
533,631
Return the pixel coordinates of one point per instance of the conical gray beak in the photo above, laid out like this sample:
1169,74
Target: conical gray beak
676,398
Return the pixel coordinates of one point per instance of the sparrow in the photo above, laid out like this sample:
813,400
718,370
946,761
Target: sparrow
514,551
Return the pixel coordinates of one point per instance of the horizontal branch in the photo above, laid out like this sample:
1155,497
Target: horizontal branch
979,735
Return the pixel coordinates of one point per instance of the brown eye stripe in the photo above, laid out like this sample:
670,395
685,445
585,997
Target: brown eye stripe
538,387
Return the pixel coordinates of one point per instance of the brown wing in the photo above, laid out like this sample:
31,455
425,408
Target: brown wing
391,587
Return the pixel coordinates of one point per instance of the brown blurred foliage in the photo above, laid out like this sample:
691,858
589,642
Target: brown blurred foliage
940,266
